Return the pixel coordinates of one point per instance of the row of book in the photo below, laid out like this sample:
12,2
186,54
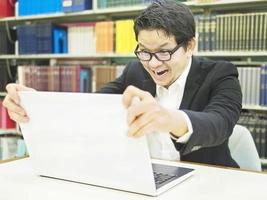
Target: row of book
81,39
257,125
76,38
36,7
119,3
232,32
12,146
253,81
42,38
7,38
213,1
68,78
5,121
7,75
29,7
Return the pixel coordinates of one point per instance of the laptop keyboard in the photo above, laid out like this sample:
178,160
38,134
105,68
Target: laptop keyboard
161,178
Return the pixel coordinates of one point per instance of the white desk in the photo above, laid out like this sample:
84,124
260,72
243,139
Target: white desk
18,182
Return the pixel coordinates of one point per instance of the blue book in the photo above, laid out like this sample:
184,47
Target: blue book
76,5
44,36
35,7
27,39
265,84
67,5
60,40
85,80
262,86
80,5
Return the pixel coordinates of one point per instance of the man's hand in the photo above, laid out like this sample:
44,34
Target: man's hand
12,102
147,115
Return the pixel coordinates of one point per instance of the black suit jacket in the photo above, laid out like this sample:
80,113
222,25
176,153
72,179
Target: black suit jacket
212,100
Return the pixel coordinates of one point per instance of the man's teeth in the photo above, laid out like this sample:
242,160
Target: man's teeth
161,72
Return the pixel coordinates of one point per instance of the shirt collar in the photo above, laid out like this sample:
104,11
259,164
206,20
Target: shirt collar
179,82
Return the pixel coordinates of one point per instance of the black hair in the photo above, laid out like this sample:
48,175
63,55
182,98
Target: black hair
172,17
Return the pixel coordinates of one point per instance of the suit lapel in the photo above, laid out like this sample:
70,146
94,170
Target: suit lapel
150,86
192,83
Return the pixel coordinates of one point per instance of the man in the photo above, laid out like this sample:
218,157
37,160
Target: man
187,107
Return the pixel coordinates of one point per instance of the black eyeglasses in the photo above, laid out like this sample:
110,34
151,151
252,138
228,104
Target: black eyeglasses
163,55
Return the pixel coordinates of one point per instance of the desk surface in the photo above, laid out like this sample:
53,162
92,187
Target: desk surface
18,181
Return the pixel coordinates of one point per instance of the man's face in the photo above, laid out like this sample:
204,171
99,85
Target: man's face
164,73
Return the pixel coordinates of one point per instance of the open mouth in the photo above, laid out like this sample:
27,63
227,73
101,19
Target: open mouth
162,72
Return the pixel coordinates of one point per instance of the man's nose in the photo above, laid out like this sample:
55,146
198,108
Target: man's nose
154,62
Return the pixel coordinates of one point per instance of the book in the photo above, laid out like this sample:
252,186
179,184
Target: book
7,38
7,8
29,7
76,5
5,121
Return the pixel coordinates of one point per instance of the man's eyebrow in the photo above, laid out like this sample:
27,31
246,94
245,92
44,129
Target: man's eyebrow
162,45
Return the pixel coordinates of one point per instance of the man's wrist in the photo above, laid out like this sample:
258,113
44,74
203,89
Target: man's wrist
178,124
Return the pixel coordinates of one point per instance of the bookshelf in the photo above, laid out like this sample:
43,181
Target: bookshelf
87,15
214,54
2,94
238,57
65,56
107,13
254,107
264,162
229,5
12,131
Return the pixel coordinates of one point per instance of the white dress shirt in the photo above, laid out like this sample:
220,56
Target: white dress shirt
160,144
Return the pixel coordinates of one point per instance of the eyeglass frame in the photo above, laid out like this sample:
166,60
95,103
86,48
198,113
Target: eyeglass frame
155,53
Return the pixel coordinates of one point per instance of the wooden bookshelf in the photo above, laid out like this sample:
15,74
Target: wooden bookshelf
215,54
264,161
231,5
117,12
236,54
2,94
8,132
64,56
255,107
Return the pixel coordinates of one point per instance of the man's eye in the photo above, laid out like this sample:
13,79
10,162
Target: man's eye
162,53
144,51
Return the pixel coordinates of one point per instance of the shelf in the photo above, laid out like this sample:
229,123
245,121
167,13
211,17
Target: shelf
87,15
2,94
233,54
8,132
131,11
242,54
229,5
65,56
255,107
264,161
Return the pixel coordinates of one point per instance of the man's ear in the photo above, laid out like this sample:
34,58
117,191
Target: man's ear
191,46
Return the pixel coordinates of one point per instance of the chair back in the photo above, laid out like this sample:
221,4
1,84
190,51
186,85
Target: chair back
243,149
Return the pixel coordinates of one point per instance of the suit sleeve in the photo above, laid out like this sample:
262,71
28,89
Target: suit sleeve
214,124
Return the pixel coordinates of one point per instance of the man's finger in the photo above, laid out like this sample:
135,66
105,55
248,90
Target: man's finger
132,92
139,123
138,109
12,90
12,106
18,118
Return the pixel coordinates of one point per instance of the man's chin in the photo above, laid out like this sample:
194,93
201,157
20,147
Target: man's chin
162,83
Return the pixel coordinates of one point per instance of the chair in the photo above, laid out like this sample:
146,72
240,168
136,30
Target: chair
243,149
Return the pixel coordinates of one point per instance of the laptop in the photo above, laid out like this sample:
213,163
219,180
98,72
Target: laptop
83,138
